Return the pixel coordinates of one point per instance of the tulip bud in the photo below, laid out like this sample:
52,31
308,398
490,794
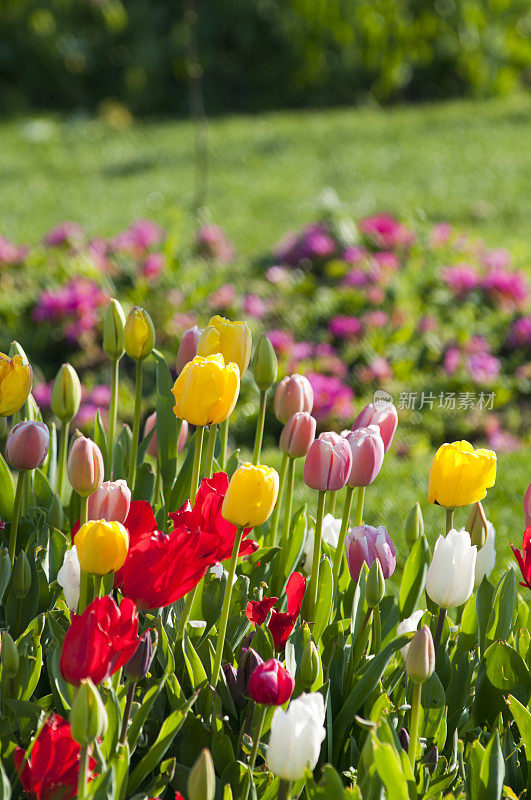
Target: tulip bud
138,665
21,576
527,506
69,578
271,684
328,462
476,525
152,448
310,664
85,468
367,448
9,656
403,738
251,495
27,444
88,718
111,501
375,588
232,683
298,434
139,334
365,544
293,393
188,347
55,516
66,394
101,546
231,339
249,661
381,413
16,378
431,758
420,659
265,364
201,784
414,525
113,330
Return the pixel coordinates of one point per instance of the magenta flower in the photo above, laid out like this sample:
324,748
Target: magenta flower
353,255
366,544
497,259
222,298
356,278
331,397
484,367
386,260
342,327
508,289
100,396
66,233
42,393
385,232
282,341
440,234
153,266
452,360
11,253
254,306
212,242
520,333
461,279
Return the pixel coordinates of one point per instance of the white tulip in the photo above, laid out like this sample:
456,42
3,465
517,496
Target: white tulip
408,625
69,578
450,578
296,736
486,557
330,535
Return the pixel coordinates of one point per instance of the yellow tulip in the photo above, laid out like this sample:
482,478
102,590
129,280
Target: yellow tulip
16,379
206,390
139,334
460,475
251,495
101,546
231,339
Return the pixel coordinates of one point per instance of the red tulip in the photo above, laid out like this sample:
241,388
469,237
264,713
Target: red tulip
271,684
281,624
523,557
99,641
52,769
257,610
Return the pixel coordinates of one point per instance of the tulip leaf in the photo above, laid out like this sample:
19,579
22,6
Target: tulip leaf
20,613
522,718
484,599
433,711
5,571
101,440
330,787
144,482
114,716
30,652
194,666
468,632
507,671
325,592
492,771
458,690
389,768
7,492
5,786
414,577
168,426
503,607
43,491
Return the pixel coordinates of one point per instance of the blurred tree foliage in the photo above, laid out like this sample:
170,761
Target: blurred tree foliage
258,54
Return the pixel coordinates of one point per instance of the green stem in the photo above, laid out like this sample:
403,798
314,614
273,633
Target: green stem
289,503
332,503
83,591
226,606
183,621
83,514
260,427
61,467
276,511
211,445
21,478
414,724
338,557
449,519
438,630
284,790
136,426
199,432
314,579
358,519
127,711
113,413
376,630
224,433
361,640
83,770
256,744
158,484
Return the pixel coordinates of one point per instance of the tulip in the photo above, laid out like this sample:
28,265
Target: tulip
249,661
408,625
298,434
380,413
151,422
66,394
486,556
111,501
310,665
16,379
88,718
420,665
271,684
450,578
282,623
139,334
138,665
329,534
27,444
113,330
231,339
188,347
9,656
328,462
375,586
403,737
476,525
231,679
21,582
265,364
85,467
206,390
367,450
69,578
101,546
296,737
523,557
251,495
527,506
293,393
460,475
366,544
201,784
414,525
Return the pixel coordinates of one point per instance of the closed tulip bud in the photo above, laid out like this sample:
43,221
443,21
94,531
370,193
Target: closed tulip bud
366,544
69,578
414,525
527,506
249,661
431,758
296,737
450,578
66,394
16,379
460,475
265,364
231,339
232,684
293,393
201,784
110,501
298,434
271,684
9,656
85,467
88,718
101,546
206,391
383,414
375,588
138,665
403,738
55,517
310,665
113,330
367,448
139,334
152,447
27,444
251,495
188,347
476,525
420,659
328,462
21,576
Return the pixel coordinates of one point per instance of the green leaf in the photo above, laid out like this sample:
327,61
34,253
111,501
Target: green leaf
168,427
101,441
414,577
433,711
7,492
503,607
522,717
492,770
507,671
484,599
5,786
468,632
194,666
325,592
389,768
330,787
43,491
144,482
5,571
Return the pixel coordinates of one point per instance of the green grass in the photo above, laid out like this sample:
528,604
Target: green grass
464,162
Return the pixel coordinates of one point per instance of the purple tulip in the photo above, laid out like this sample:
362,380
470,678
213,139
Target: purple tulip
188,347
327,465
298,434
380,413
367,447
366,544
293,393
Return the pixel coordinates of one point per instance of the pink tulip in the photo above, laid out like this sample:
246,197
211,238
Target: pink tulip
327,465
298,434
527,506
380,413
367,449
366,544
111,502
152,447
27,444
85,466
188,347
293,393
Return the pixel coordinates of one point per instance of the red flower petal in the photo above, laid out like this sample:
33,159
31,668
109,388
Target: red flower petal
257,610
295,593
